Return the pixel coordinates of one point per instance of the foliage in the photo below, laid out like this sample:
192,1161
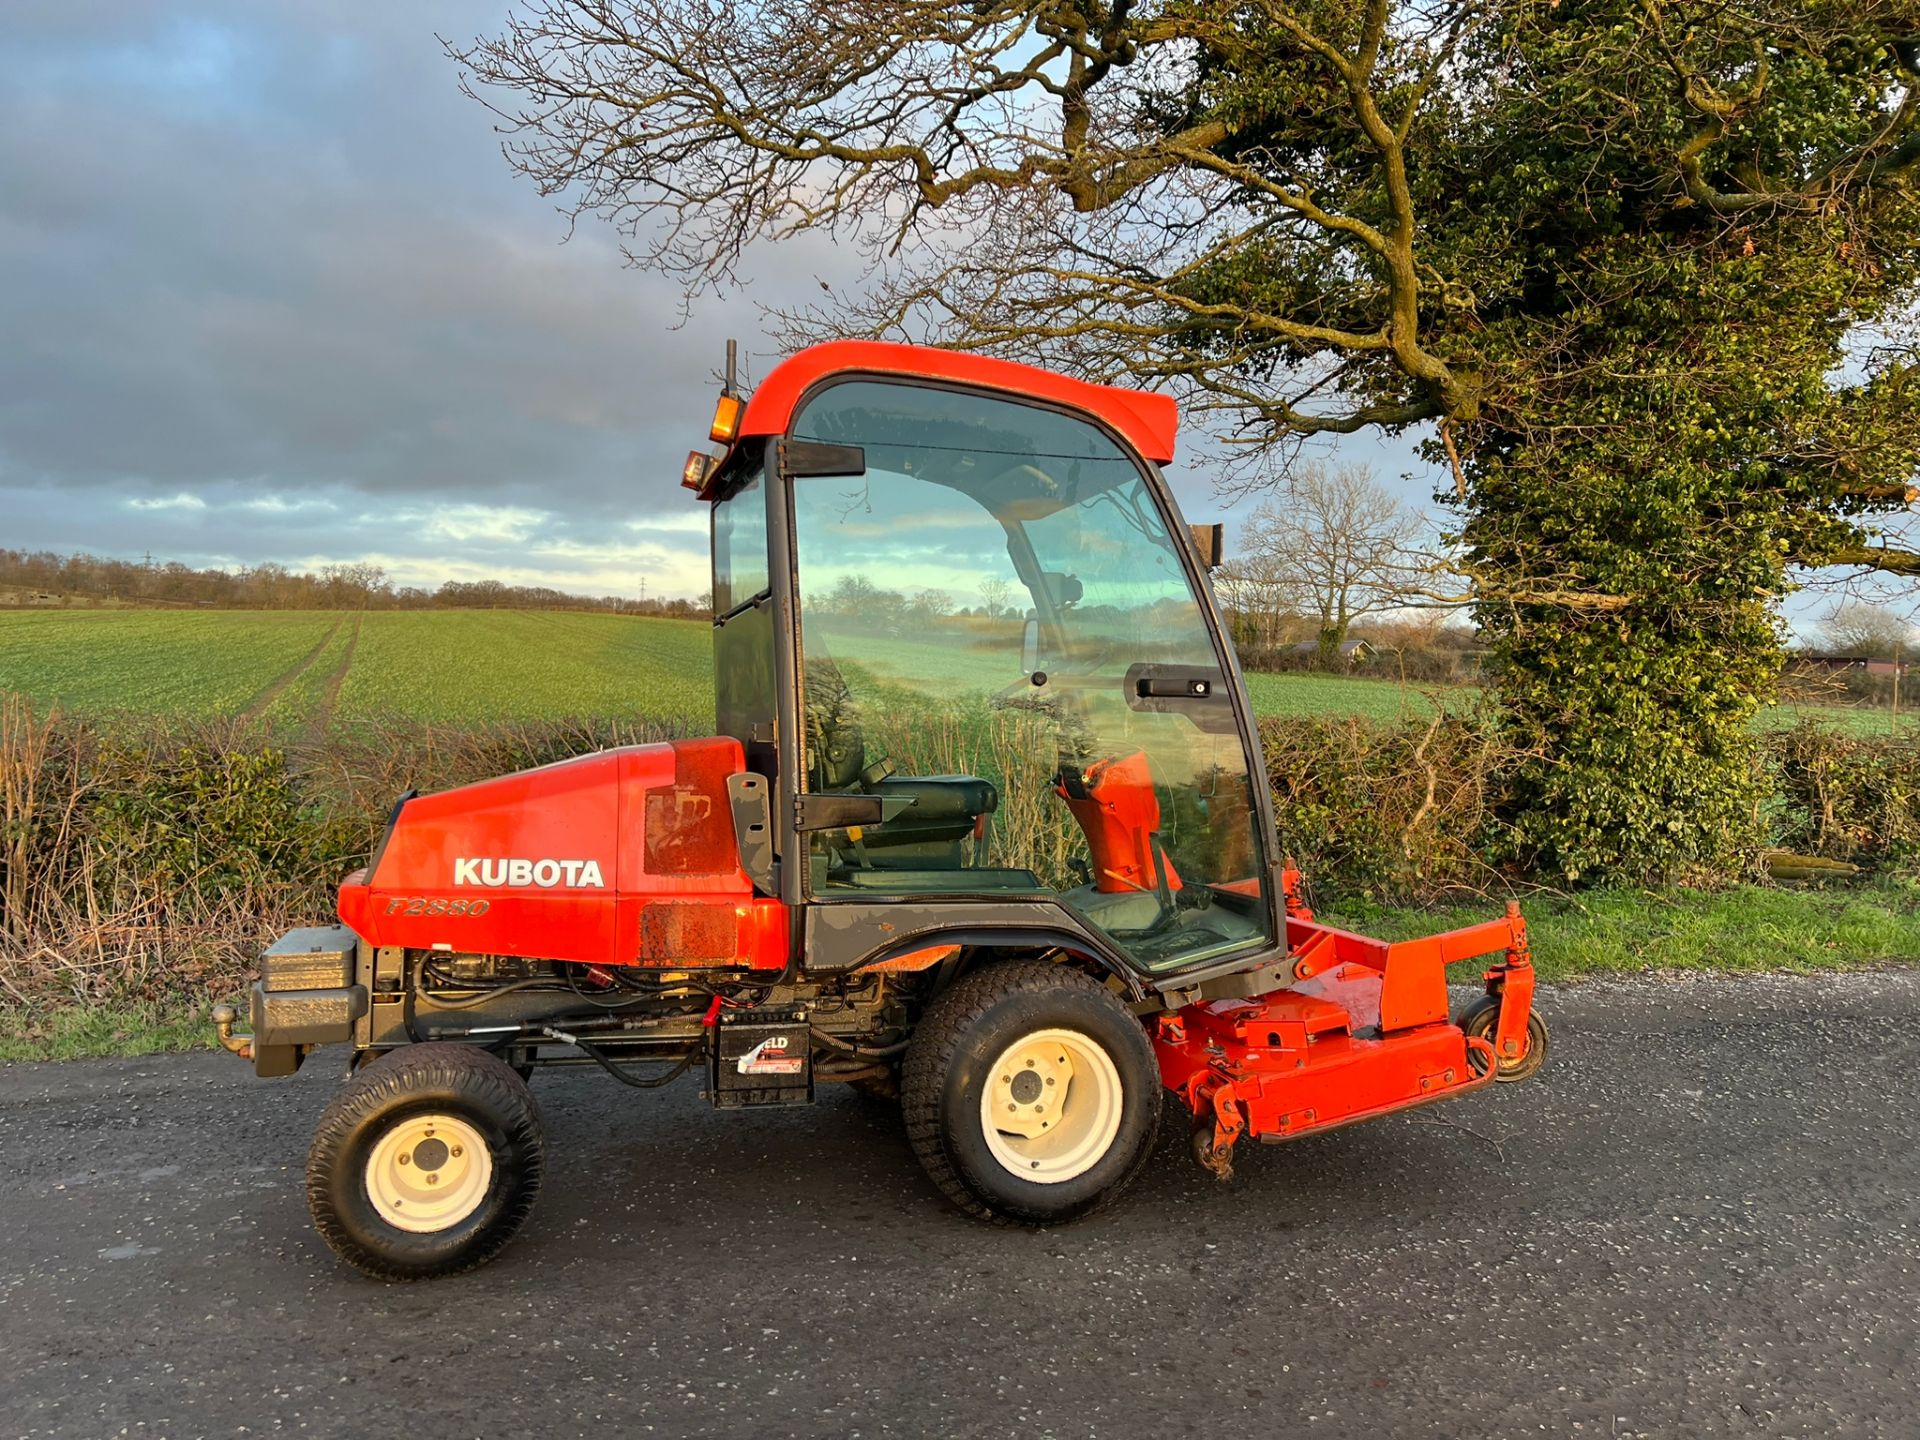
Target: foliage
1650,238
1688,235
149,864
1378,811
165,817
1415,809
154,868
1846,797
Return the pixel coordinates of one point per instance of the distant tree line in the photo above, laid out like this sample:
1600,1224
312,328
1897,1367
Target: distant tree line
269,586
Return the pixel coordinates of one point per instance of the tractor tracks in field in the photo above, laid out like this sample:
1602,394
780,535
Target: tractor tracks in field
264,701
302,671
322,718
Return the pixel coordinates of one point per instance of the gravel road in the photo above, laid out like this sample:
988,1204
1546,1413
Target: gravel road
1701,1220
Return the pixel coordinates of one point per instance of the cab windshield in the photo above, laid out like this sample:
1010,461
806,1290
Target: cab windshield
999,636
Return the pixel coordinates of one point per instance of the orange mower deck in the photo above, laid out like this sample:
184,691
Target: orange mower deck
1363,1030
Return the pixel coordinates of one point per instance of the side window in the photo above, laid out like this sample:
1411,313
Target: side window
739,547
743,639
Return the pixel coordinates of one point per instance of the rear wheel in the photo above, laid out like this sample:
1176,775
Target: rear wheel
1030,1093
1483,1020
426,1163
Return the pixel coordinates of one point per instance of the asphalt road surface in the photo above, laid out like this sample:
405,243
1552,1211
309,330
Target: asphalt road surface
1700,1220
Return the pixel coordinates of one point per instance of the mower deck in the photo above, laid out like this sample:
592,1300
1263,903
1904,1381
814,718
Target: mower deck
1362,1031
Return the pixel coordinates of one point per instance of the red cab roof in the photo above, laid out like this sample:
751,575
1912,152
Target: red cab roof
1148,421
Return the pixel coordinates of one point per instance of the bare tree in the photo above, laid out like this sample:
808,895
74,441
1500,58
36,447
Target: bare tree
931,604
1256,591
1073,176
1872,631
1338,547
996,596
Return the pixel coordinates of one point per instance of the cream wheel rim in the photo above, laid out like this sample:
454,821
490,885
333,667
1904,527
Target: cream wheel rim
428,1173
1051,1106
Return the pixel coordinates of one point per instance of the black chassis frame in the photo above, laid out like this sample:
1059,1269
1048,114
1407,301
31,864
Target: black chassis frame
834,934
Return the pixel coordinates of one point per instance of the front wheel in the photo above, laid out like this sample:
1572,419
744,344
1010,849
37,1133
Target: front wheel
426,1163
1030,1093
1483,1020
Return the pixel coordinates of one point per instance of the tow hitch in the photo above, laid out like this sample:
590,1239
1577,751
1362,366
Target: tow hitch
224,1017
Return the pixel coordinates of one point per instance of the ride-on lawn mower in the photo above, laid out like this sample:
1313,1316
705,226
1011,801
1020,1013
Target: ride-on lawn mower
986,827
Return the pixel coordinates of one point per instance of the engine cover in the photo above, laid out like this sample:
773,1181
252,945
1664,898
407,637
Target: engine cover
623,857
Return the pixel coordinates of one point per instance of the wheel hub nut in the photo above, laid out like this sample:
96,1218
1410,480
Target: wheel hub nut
430,1154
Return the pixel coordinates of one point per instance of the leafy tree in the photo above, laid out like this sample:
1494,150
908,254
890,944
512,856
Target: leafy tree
1637,264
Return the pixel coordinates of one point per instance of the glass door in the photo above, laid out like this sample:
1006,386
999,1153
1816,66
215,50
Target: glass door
999,641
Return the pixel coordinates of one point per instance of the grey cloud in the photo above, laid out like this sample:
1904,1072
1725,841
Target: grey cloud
268,258
271,251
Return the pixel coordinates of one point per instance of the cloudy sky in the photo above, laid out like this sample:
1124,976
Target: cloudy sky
269,292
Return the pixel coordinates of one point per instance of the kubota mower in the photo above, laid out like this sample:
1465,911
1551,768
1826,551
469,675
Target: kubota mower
985,827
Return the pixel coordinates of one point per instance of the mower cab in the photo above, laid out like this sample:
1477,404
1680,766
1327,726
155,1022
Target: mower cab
985,825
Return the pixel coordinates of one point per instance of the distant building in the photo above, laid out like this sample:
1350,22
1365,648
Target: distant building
1865,664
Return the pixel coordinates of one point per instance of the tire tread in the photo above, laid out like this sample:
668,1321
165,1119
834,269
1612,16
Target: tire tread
941,1031
465,1069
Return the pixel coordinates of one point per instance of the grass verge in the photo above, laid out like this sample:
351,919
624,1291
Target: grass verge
78,1032
1745,928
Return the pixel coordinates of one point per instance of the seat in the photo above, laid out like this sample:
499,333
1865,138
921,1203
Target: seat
941,881
942,813
945,807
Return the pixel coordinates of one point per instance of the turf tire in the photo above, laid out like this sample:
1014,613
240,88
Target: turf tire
956,1042
1483,1018
437,1077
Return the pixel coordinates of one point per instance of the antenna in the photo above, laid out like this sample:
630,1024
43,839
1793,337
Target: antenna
733,364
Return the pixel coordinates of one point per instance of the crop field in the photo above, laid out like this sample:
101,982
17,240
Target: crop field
316,670
313,671
161,662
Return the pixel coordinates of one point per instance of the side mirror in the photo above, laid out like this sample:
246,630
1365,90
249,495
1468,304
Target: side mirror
1030,647
1208,540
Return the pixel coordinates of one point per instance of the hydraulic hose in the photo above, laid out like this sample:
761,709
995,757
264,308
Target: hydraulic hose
877,1052
594,1053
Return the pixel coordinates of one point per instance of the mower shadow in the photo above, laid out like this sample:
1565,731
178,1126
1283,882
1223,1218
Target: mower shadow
669,1172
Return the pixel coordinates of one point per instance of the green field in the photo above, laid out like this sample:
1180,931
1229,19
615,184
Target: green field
314,670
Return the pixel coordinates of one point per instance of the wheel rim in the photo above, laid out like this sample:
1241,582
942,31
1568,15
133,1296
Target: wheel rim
428,1173
1484,1026
1051,1106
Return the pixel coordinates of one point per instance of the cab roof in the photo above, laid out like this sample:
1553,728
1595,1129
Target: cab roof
1147,421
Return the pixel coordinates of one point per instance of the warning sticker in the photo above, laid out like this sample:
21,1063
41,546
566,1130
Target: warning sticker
771,1057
